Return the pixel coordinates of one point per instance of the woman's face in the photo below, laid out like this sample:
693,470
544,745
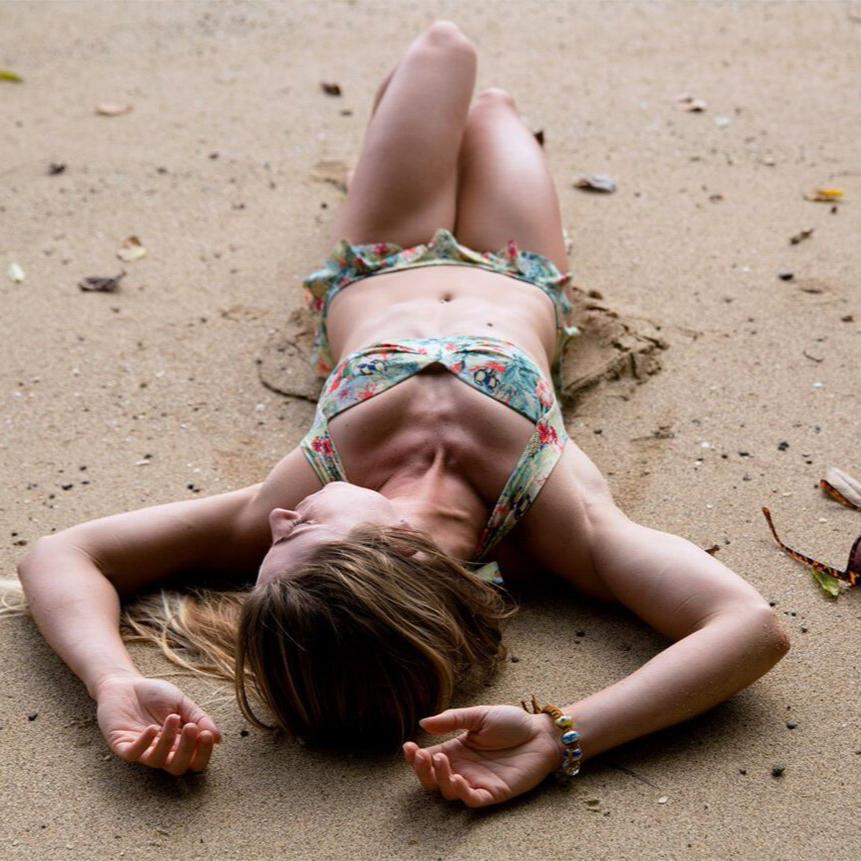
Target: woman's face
327,515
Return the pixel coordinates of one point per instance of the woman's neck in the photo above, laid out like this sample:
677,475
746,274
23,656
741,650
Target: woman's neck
441,503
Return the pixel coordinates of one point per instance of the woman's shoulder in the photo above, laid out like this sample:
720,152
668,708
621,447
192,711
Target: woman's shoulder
556,532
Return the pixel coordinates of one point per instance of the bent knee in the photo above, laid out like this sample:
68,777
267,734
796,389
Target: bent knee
497,95
445,32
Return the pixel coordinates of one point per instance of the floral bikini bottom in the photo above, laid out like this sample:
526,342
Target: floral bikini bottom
349,263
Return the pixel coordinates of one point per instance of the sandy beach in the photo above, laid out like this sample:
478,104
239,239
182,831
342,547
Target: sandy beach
113,401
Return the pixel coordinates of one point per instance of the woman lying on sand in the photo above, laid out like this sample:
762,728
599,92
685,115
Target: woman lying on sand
358,604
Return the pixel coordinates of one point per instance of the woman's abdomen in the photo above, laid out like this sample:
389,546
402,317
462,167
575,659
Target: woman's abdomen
442,301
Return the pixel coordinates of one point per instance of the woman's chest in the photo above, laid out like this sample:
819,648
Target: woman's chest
432,418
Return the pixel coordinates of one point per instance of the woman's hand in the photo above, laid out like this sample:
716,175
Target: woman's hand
504,752
152,722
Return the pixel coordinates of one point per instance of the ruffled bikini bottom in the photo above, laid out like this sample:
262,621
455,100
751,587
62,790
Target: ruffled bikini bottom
350,263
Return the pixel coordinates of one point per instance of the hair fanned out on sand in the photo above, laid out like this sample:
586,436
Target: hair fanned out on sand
358,643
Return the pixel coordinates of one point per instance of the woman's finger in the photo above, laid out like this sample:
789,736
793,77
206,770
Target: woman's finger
193,713
471,796
139,746
181,758
409,749
453,719
423,768
207,723
442,771
205,743
157,756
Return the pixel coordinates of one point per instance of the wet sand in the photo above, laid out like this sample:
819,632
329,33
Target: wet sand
119,400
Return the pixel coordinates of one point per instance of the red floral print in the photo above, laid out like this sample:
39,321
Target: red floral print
322,445
544,393
547,434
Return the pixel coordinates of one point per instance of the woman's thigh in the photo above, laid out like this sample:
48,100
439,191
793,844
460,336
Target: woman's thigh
505,189
405,182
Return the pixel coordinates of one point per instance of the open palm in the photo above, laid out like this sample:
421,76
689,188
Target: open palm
153,722
504,752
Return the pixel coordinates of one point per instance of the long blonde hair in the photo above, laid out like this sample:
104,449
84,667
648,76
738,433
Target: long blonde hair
352,647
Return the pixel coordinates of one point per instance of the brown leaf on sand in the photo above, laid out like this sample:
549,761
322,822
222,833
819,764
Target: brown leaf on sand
610,346
687,102
330,89
332,171
97,284
818,291
109,109
801,236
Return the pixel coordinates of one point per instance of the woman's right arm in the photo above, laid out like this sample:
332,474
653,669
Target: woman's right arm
77,609
74,582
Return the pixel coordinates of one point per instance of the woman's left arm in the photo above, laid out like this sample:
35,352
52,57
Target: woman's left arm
725,637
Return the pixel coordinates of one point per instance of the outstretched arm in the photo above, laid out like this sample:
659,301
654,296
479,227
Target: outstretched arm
725,637
74,582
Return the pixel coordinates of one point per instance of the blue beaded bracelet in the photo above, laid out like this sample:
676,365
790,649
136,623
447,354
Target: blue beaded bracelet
570,737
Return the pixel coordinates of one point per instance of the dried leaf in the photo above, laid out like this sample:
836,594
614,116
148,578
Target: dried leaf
713,549
330,89
685,102
848,489
825,195
801,235
7,75
131,249
96,284
829,584
15,273
109,109
596,182
56,167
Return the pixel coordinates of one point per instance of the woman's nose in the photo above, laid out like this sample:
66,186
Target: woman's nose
279,518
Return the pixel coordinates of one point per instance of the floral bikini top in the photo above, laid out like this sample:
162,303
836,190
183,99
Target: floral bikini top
495,367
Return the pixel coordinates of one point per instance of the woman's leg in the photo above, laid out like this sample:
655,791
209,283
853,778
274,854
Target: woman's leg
405,182
505,189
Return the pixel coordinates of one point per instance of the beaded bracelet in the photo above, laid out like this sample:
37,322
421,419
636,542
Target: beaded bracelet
570,737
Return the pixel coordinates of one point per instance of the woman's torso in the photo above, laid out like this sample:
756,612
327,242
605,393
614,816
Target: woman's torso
435,415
